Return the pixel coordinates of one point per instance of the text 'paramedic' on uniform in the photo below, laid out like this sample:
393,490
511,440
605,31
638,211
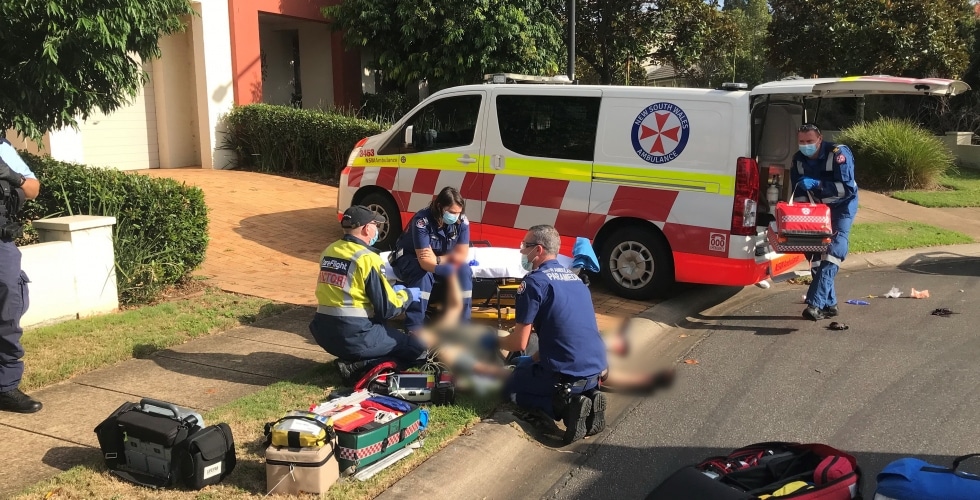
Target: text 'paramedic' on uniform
356,301
826,171
563,379
434,245
17,184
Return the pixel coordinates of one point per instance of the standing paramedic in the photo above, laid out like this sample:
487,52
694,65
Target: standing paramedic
562,379
356,301
435,245
17,184
826,171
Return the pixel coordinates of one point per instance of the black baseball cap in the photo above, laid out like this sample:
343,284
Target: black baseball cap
359,215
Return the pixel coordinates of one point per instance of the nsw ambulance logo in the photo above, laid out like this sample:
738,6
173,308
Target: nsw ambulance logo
660,132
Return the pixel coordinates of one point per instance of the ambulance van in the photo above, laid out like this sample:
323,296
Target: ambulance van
669,184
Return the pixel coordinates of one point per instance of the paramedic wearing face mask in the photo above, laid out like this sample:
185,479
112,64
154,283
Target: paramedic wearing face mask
356,301
558,305
826,171
435,245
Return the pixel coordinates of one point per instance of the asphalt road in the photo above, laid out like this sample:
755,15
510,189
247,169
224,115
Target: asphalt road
899,382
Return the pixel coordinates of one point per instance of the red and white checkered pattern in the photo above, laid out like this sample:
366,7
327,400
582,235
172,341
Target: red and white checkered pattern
361,453
784,248
519,202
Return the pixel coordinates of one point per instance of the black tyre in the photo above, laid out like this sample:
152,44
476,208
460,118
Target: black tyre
636,263
388,232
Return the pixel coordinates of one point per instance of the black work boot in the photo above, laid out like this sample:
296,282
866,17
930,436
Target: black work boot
830,311
18,402
813,314
596,421
575,417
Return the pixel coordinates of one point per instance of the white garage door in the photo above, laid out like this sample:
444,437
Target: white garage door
126,139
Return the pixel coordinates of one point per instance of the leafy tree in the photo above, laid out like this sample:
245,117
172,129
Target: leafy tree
751,21
452,42
898,37
608,33
62,59
690,36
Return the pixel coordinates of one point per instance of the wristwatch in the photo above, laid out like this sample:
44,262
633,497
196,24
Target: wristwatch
23,179
438,260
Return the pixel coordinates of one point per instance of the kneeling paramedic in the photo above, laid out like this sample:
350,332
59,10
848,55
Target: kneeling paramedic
355,299
826,171
434,245
562,378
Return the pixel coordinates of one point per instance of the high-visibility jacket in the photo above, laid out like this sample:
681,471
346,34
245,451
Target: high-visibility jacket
353,294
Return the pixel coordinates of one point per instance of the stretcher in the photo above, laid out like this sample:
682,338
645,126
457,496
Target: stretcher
497,274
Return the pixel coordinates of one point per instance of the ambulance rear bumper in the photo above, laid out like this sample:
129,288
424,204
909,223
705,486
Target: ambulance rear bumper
726,271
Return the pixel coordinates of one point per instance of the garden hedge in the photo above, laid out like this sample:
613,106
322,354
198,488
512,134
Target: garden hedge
161,230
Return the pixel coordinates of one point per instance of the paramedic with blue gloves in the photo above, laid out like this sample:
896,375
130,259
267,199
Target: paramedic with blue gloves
435,245
356,301
826,171
18,184
562,379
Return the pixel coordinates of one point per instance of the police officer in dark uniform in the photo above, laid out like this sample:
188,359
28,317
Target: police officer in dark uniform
826,171
17,184
562,378
435,245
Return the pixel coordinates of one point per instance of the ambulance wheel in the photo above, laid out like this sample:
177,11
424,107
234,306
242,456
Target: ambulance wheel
636,263
388,232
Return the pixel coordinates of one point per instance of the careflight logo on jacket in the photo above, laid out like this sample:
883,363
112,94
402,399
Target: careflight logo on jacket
333,271
660,132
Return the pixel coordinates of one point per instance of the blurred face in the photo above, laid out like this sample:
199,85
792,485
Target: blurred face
456,210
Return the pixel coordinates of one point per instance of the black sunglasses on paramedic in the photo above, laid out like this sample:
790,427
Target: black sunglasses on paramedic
525,245
809,127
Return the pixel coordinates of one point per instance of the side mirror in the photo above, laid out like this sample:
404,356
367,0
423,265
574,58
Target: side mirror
408,135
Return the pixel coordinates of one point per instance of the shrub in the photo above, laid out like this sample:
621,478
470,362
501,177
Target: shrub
161,230
386,107
283,139
893,154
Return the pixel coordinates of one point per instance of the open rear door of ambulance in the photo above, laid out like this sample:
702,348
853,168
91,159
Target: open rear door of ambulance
857,86
796,89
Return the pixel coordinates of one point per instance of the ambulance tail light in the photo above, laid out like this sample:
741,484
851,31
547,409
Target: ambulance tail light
746,196
356,151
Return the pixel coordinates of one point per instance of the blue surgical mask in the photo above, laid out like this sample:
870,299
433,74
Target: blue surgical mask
808,149
374,239
526,263
449,217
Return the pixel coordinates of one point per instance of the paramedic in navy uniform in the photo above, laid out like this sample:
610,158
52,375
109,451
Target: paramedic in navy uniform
826,170
435,245
558,305
13,290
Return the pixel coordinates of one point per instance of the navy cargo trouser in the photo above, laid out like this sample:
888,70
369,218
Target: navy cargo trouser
13,304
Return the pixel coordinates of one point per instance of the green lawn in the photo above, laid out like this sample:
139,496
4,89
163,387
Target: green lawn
960,189
58,352
898,235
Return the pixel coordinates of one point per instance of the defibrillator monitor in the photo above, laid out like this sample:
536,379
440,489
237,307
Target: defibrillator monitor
409,381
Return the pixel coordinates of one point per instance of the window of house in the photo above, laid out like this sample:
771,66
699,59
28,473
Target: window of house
549,126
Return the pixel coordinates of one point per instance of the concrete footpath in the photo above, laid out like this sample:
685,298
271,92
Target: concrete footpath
202,374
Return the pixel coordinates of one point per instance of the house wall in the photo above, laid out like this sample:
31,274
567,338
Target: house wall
175,86
246,49
316,64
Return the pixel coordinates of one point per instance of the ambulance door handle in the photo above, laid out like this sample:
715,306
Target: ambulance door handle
466,159
497,162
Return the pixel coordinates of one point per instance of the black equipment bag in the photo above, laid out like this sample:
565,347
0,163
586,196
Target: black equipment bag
146,446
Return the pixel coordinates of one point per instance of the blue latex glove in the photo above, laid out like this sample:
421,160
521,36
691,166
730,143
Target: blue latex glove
398,288
474,263
445,270
809,184
521,361
490,341
414,293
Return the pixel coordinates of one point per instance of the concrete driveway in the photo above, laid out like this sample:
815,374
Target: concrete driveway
900,382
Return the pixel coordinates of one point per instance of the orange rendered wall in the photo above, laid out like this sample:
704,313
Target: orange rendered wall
244,25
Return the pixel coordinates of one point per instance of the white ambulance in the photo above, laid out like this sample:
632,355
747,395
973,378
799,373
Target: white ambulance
669,183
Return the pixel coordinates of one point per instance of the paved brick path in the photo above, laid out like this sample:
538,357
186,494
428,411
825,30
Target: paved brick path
267,233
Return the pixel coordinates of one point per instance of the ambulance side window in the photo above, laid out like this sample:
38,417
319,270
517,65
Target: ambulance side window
447,123
549,126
